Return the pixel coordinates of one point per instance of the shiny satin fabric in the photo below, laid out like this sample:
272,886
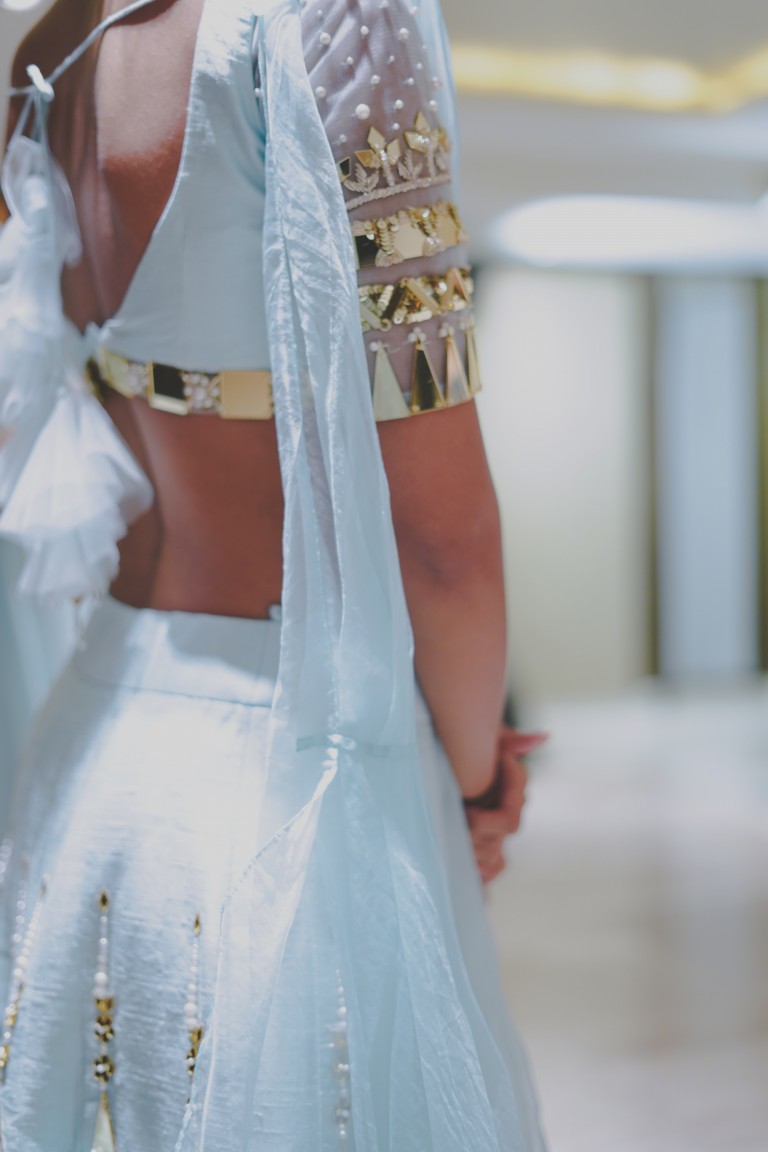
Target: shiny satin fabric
154,736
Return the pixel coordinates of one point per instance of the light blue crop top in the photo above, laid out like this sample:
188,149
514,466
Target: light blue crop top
197,298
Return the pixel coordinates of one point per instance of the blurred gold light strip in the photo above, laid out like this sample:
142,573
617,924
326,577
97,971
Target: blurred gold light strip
762,440
644,83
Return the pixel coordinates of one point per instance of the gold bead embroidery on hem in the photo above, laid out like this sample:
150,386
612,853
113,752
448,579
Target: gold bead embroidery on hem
104,1031
104,1130
423,162
414,299
342,1112
411,233
192,1012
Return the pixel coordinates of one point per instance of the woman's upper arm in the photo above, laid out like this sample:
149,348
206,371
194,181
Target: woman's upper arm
444,506
379,91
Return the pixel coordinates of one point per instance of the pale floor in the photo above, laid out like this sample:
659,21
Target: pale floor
633,922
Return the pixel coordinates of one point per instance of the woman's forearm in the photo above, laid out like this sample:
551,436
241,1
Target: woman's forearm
446,520
456,600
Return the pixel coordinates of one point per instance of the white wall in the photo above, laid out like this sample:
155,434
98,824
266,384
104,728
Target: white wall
565,415
706,419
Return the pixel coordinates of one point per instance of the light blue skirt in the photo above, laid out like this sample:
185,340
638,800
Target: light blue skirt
148,752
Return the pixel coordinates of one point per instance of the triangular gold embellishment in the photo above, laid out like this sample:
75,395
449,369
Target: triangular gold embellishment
104,1132
421,295
473,366
456,383
426,393
457,287
388,400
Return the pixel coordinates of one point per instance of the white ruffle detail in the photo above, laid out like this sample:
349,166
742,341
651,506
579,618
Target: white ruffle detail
79,490
68,484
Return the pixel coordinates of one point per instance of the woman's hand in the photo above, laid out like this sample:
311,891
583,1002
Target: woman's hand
497,814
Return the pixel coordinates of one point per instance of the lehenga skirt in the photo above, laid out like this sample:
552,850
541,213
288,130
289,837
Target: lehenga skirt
119,855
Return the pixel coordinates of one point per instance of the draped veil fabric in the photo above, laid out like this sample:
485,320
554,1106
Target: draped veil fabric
353,877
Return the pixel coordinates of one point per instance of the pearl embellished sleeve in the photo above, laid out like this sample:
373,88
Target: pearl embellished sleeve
377,88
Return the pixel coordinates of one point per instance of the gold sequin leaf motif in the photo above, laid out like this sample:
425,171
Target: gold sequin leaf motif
425,161
431,142
381,156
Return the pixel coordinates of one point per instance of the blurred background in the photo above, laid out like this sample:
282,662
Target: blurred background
614,160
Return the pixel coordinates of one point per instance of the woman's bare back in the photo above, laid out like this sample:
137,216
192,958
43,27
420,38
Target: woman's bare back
212,541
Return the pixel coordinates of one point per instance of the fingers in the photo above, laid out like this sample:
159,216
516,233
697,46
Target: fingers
490,860
521,743
487,823
512,746
489,827
514,781
493,867
489,876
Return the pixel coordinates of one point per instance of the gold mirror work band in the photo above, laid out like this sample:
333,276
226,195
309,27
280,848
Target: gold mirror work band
233,395
415,299
443,373
408,235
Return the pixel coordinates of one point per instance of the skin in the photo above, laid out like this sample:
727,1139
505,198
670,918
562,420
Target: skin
212,541
489,828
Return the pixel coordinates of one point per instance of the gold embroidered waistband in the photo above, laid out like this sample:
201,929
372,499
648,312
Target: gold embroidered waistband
234,395
415,299
442,372
411,233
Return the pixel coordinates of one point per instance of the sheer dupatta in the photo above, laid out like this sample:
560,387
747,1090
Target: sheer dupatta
342,1015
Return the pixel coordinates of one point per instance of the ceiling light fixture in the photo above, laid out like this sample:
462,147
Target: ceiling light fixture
642,83
645,234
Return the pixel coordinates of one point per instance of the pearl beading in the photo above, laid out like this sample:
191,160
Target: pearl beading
104,1031
20,915
341,1069
422,163
377,88
19,974
6,851
357,49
